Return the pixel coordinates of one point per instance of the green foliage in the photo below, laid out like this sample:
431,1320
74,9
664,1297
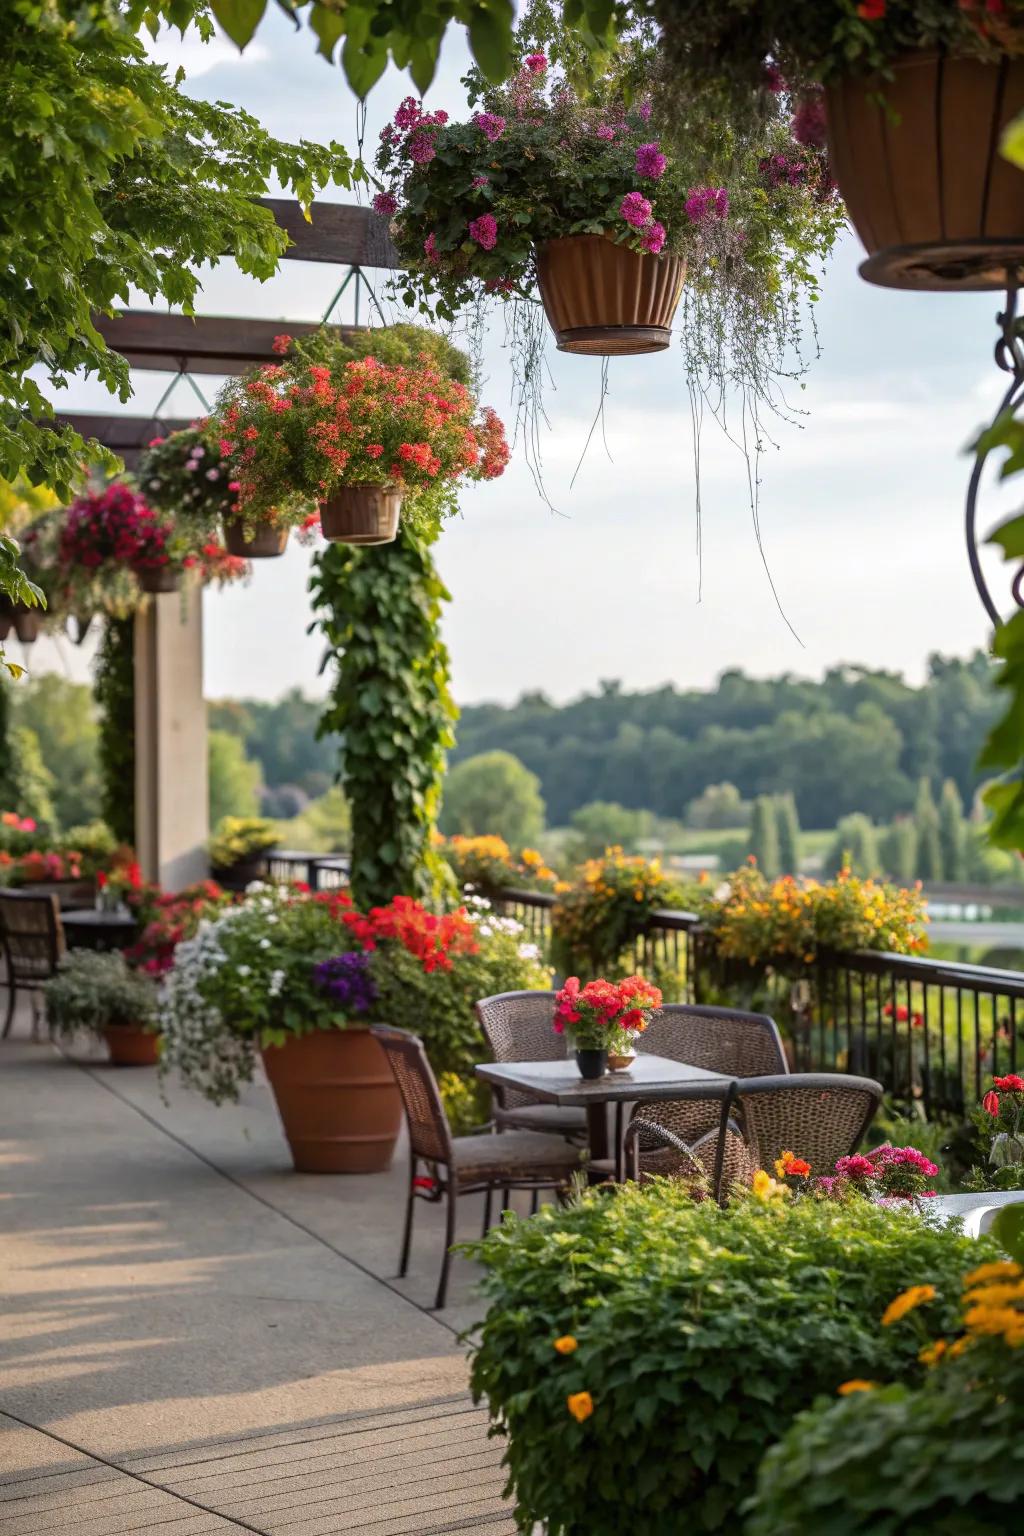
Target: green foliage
493,794
719,807
282,737
952,833
597,922
240,837
438,1006
929,841
113,180
15,587
603,824
234,781
855,848
93,991
325,826
764,837
898,851
389,708
788,826
700,1333
63,718
29,782
114,686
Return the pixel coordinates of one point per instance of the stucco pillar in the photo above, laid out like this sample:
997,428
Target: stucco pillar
171,807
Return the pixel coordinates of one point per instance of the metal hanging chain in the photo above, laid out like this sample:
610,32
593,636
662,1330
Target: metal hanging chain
1009,356
182,373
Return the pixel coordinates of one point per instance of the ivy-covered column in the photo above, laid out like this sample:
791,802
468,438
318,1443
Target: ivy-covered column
114,689
390,707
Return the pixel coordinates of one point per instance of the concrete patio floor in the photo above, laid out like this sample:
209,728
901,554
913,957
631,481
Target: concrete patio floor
195,1339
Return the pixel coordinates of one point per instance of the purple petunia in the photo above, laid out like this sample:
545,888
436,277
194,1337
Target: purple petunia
650,162
347,982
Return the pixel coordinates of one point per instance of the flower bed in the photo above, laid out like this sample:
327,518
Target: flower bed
488,866
662,1344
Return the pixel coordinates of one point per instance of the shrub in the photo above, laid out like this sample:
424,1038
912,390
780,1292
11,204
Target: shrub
237,838
597,921
93,991
687,1337
487,865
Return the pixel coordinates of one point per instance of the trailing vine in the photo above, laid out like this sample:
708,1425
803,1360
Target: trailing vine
391,708
114,687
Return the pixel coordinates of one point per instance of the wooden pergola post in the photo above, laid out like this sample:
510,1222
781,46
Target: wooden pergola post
171,781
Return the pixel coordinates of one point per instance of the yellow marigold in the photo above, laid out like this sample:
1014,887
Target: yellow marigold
958,1346
531,857
916,1296
997,1321
580,1405
1001,1269
849,1387
933,1353
766,1188
566,1344
995,1295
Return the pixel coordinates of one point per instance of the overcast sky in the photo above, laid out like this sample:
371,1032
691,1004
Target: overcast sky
861,506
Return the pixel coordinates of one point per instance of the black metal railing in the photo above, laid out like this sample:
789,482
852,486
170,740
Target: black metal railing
320,871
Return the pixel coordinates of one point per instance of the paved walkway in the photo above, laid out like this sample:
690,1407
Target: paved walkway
195,1339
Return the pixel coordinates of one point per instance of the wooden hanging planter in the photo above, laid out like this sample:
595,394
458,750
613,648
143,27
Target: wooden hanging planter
361,514
605,300
28,623
338,1101
266,542
917,160
159,578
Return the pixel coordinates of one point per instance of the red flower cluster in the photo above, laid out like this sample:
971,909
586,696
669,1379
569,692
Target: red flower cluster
605,1007
169,918
115,527
902,1015
430,938
36,866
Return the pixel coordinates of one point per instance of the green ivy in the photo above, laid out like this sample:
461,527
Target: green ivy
114,684
391,708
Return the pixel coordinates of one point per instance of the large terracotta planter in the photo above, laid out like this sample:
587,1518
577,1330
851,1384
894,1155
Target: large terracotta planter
131,1047
266,542
337,1099
605,300
159,578
917,161
361,514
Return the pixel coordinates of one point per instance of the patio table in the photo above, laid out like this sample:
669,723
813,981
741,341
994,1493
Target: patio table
90,929
649,1078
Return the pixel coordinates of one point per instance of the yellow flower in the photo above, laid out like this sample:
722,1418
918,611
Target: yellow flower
916,1296
580,1405
957,1347
766,1188
993,1295
849,1387
566,1344
997,1321
1002,1269
933,1353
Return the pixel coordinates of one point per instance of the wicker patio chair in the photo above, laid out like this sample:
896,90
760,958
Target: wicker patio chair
462,1165
519,1026
821,1116
32,942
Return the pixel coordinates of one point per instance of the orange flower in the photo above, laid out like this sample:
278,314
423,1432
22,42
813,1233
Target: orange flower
849,1387
566,1344
580,1405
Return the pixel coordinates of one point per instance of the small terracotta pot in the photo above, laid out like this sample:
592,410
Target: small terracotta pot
917,161
338,1101
592,1064
159,578
266,542
27,624
605,300
361,514
132,1047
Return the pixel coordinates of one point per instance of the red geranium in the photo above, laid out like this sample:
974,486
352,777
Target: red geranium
595,1015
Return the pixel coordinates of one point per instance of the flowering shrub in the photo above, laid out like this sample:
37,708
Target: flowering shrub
999,1121
662,1343
18,834
299,429
596,921
605,1015
237,838
108,532
783,923
842,1467
43,865
186,476
487,864
166,918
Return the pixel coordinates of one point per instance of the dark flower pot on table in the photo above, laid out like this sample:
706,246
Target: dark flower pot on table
592,1064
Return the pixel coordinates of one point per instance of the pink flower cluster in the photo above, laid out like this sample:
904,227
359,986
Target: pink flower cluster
705,203
810,125
490,124
385,203
638,214
782,170
650,162
484,231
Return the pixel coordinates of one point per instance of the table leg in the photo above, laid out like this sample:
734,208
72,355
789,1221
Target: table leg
597,1129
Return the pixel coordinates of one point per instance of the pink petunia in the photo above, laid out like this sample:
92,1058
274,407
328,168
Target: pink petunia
484,231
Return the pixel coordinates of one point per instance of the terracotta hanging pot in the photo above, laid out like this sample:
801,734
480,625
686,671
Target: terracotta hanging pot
28,623
159,578
361,514
266,542
604,300
917,161
132,1047
338,1101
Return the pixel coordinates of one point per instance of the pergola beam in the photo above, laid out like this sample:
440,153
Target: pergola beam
341,233
220,344
124,435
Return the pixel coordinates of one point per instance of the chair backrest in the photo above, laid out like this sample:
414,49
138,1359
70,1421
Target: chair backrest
31,933
520,1026
430,1135
820,1116
725,1040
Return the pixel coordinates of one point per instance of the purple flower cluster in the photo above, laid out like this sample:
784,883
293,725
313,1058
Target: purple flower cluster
782,171
385,203
484,231
636,210
347,981
421,149
490,124
705,203
650,162
809,125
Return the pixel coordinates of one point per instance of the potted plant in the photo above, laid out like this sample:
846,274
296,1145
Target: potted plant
914,95
238,850
604,1019
358,437
187,477
99,994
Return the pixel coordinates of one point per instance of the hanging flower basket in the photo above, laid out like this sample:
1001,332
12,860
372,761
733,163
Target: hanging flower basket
606,300
361,514
917,161
27,623
159,578
266,541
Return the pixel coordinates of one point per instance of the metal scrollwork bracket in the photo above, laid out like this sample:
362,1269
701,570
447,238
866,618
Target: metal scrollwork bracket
1009,355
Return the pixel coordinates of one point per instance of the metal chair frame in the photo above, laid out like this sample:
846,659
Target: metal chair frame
50,934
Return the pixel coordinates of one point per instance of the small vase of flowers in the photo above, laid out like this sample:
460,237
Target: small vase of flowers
604,1020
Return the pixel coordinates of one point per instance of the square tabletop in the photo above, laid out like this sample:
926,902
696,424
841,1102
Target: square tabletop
650,1077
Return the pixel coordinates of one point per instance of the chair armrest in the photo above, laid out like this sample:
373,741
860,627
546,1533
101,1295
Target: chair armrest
660,1134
